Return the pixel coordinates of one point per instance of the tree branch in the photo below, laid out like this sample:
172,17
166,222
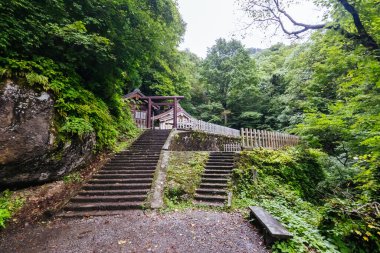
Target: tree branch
271,12
366,39
291,19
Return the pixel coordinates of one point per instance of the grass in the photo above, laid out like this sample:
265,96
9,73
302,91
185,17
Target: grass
183,177
74,177
8,206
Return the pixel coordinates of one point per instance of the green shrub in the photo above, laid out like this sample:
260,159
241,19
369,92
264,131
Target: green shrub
281,181
79,111
8,206
73,177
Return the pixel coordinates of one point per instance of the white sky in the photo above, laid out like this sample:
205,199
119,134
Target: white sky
208,20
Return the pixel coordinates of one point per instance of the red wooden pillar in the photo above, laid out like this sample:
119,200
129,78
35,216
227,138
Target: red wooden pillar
175,113
148,123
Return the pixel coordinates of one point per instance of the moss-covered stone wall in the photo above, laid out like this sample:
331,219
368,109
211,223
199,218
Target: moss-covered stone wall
199,141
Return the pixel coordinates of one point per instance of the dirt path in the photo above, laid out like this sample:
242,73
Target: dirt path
188,231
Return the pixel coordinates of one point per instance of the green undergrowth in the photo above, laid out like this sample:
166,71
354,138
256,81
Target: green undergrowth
79,112
184,173
8,206
73,177
285,183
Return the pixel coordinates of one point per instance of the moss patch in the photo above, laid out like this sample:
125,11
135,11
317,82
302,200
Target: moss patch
183,177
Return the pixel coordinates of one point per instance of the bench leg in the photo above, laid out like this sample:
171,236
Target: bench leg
268,239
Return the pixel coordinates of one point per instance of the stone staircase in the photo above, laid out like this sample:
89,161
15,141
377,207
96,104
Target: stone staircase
213,188
125,181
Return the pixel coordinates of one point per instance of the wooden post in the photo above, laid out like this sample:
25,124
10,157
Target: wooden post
271,140
175,113
266,139
249,138
148,123
277,140
259,132
242,136
253,138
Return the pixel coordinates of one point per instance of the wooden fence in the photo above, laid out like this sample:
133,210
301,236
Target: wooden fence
232,147
207,127
252,138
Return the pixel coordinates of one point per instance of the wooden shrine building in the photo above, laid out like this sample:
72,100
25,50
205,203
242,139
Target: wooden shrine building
144,108
166,119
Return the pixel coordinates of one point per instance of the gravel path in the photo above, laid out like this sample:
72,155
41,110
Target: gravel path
136,231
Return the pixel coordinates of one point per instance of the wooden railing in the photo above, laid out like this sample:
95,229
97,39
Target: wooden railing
232,147
207,127
252,138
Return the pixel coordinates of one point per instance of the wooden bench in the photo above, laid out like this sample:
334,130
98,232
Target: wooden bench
273,230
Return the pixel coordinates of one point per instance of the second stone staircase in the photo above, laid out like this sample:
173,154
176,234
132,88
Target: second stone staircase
213,187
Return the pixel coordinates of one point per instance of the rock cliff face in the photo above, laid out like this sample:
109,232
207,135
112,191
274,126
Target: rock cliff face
29,151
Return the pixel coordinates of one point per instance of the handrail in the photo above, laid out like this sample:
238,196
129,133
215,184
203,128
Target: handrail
200,125
252,138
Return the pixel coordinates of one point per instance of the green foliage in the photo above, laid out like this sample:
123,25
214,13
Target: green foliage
302,169
88,54
280,181
73,177
313,195
352,225
8,206
183,177
228,81
77,126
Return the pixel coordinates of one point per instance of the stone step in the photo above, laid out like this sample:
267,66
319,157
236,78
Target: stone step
126,172
221,159
140,161
135,160
113,192
103,206
228,157
108,199
126,167
128,161
209,203
217,167
216,163
138,144
121,176
91,187
211,191
210,198
139,153
120,181
222,165
216,171
152,140
206,179
131,164
147,148
135,157
212,186
208,175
